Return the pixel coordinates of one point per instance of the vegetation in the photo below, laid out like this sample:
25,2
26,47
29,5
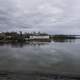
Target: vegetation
61,38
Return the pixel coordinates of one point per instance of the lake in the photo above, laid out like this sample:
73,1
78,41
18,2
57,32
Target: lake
41,57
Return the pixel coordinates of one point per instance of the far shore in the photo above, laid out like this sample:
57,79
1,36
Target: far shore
11,37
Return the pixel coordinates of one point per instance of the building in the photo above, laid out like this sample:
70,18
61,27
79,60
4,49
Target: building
39,37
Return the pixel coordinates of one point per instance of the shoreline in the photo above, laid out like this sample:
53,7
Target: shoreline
35,40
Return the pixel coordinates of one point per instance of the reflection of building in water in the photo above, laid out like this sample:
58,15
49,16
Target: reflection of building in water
39,43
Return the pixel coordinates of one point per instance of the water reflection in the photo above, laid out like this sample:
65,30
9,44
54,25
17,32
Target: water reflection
36,43
41,57
24,44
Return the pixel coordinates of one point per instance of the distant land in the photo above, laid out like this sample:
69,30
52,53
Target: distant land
34,36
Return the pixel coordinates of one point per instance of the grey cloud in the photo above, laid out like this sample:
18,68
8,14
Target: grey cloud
53,16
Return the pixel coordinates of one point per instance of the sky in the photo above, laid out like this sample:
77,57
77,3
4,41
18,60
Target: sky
51,16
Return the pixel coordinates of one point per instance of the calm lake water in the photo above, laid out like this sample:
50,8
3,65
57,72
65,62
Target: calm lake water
52,57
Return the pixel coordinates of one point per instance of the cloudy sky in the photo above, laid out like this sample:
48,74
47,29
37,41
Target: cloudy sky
52,16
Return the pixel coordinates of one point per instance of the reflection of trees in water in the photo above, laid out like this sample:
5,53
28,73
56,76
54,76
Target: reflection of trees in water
32,43
12,44
24,44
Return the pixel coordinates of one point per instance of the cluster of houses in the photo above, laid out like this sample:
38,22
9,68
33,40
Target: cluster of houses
23,36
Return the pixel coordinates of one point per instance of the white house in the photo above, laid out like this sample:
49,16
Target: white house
39,37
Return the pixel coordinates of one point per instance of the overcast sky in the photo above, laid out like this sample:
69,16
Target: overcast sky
52,16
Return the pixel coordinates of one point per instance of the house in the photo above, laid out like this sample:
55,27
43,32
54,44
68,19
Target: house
39,36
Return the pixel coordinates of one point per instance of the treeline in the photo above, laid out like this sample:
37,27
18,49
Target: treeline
62,38
11,37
